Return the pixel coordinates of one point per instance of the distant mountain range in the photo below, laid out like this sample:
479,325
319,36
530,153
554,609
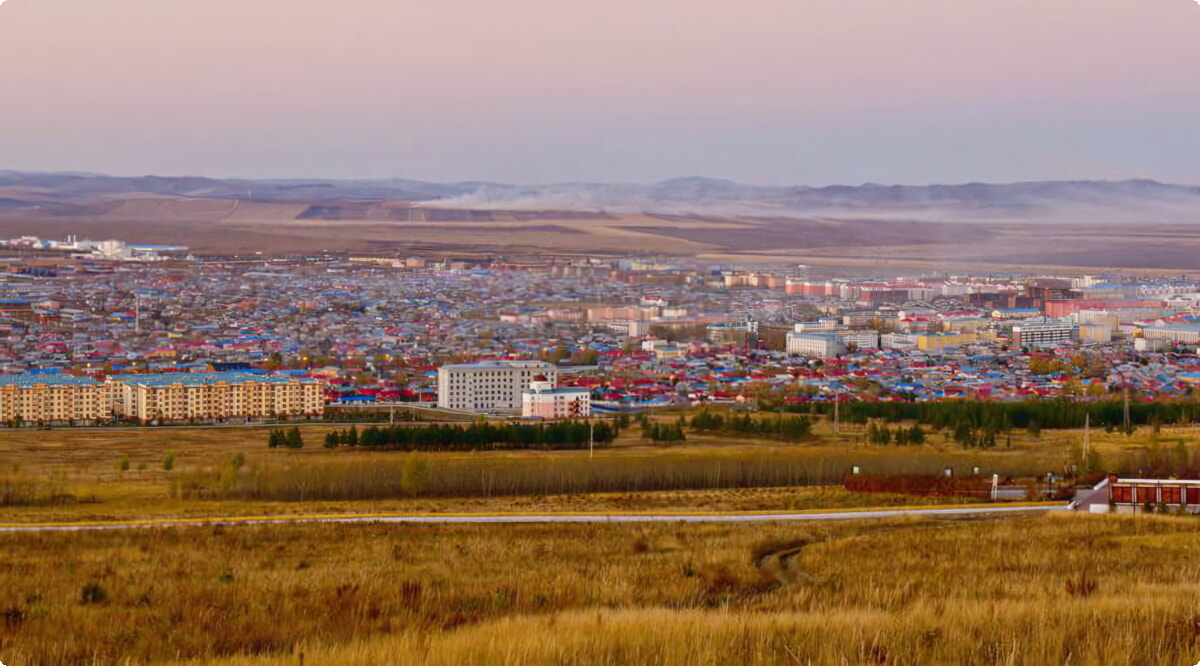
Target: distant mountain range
1060,201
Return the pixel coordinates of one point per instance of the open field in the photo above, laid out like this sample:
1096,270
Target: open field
1053,589
77,474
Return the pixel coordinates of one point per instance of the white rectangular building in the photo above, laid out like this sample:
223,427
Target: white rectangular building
490,386
815,345
1040,334
1188,334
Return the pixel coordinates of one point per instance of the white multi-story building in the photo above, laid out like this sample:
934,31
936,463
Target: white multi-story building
543,400
490,386
1188,334
816,345
822,324
861,339
898,341
1038,334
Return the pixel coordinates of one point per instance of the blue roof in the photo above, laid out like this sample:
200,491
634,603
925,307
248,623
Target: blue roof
204,378
47,379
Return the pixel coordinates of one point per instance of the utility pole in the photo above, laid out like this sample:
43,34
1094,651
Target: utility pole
591,439
837,401
1087,427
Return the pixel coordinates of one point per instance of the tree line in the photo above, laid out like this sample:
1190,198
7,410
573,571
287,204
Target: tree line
881,434
285,439
446,437
1108,414
791,428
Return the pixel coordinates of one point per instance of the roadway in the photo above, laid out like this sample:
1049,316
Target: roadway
541,518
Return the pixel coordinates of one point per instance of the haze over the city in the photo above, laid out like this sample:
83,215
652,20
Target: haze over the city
762,91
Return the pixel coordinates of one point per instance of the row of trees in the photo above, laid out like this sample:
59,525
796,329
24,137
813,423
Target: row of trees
445,437
881,434
1031,415
663,432
285,439
785,427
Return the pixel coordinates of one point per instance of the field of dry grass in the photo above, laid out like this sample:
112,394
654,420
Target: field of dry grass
101,474
1061,589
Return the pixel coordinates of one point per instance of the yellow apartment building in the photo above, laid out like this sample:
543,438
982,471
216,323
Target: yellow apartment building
220,395
52,399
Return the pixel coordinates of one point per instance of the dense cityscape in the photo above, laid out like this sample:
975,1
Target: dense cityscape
90,341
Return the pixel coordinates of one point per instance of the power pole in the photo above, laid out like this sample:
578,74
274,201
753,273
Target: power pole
1087,427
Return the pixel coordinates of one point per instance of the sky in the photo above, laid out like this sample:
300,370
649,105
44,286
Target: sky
810,92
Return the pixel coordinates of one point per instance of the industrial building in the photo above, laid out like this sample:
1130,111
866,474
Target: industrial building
1132,495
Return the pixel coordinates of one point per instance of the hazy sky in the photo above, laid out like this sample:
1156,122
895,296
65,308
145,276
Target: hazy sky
764,91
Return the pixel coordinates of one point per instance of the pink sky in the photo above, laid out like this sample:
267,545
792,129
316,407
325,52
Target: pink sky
782,91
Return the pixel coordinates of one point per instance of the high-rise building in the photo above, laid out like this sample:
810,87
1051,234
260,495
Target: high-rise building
490,386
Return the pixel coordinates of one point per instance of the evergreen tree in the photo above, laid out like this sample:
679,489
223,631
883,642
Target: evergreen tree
916,435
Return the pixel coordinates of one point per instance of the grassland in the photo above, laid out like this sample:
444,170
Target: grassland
1066,589
116,474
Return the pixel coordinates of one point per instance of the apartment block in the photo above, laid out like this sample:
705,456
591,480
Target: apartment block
55,398
214,396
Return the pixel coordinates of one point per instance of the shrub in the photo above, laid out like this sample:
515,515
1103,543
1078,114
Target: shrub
414,477
92,593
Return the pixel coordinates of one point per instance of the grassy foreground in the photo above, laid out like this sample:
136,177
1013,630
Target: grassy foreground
1051,589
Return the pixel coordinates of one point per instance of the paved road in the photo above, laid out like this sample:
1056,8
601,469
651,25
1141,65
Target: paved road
538,518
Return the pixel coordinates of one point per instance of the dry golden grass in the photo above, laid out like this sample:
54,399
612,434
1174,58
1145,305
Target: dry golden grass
1061,589
85,465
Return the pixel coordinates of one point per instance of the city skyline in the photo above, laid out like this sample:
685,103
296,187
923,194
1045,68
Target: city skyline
765,92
